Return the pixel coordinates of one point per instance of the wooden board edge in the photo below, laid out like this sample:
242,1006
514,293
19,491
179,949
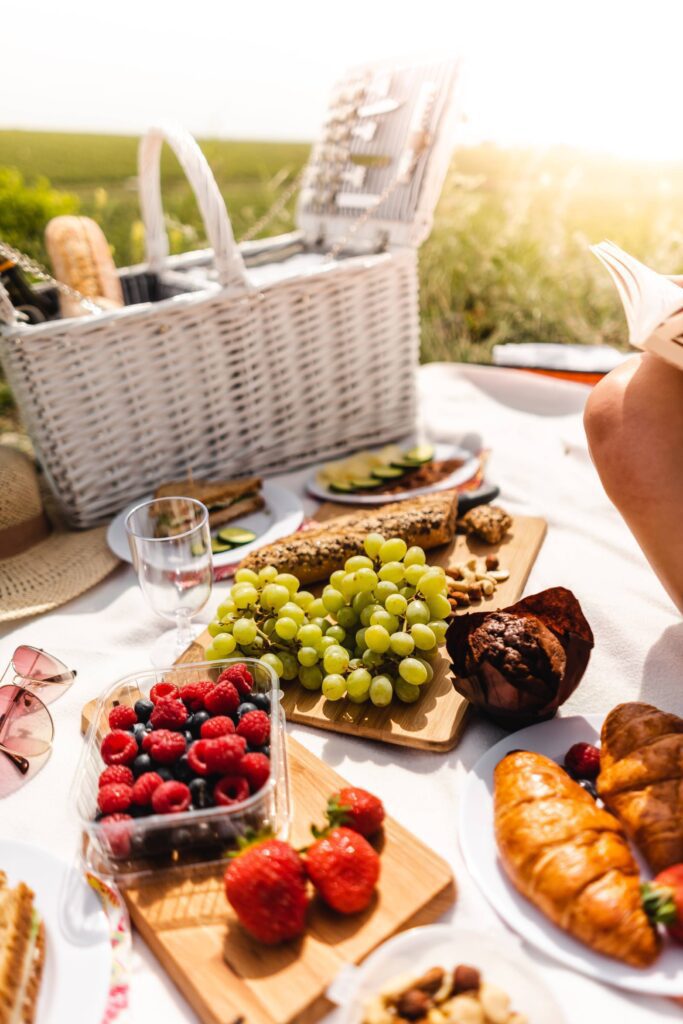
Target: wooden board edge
406,740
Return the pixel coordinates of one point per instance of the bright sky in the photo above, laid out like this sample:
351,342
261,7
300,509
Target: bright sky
603,74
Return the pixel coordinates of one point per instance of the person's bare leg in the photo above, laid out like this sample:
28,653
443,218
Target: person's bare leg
634,424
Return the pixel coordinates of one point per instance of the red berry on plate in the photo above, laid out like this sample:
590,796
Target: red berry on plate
266,887
161,690
144,786
224,754
116,773
223,699
193,695
256,770
171,798
231,789
119,747
164,746
255,727
122,717
221,725
583,761
114,797
663,900
240,677
117,829
169,713
356,808
196,757
344,868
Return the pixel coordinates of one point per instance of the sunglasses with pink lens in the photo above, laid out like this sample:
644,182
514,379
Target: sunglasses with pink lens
26,726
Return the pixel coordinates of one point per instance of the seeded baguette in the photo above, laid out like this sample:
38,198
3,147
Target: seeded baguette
315,553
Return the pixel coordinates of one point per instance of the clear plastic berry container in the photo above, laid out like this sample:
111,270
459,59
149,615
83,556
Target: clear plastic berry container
135,849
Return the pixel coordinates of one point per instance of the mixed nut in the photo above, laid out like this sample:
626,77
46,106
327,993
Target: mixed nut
471,581
438,996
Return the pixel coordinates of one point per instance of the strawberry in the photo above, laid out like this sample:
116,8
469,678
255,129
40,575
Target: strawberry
344,868
663,900
356,808
265,884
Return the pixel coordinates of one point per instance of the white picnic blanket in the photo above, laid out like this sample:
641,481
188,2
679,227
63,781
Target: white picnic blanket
539,459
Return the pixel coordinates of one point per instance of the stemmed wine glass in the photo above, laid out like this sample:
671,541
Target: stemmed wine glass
170,544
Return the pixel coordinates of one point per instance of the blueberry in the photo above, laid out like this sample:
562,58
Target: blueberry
589,787
261,700
246,706
265,749
189,720
142,763
139,730
182,836
188,737
143,709
198,720
201,794
182,770
165,772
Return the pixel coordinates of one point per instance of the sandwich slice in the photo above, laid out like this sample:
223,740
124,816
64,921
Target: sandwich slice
225,499
22,952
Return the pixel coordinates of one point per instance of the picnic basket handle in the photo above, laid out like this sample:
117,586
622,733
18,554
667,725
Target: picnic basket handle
228,259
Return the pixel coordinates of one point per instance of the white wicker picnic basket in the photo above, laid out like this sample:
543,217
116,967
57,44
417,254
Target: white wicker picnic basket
253,358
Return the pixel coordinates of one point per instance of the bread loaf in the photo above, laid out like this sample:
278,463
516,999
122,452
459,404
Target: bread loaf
81,258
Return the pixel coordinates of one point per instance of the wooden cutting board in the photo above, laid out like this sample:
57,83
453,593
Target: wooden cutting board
229,978
436,721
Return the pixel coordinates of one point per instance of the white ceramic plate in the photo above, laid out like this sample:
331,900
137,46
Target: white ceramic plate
283,514
78,959
441,451
499,959
479,849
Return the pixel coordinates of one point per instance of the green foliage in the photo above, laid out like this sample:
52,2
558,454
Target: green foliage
26,209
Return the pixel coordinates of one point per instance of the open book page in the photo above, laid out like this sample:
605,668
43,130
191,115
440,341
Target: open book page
651,302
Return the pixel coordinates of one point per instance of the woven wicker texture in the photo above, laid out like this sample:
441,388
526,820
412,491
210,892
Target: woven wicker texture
19,489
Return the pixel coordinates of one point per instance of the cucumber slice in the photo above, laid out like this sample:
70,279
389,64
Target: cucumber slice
235,536
218,546
342,487
405,465
366,483
420,455
387,473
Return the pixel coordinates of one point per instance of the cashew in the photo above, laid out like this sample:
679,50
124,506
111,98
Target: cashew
464,1009
495,1003
487,587
499,575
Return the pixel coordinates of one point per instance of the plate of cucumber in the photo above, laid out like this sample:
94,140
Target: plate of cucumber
393,473
281,515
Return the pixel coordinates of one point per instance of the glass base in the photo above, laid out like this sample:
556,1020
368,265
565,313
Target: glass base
167,648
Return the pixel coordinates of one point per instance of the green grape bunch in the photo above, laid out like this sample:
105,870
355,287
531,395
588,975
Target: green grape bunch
370,636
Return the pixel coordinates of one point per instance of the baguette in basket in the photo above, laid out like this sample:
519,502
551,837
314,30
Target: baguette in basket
81,258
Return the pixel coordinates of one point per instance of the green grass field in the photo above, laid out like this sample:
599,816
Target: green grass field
507,260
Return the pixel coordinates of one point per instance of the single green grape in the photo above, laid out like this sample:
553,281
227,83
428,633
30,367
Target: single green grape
372,543
357,562
407,592
247,576
402,644
215,628
310,677
377,638
366,580
334,686
423,637
438,606
348,586
286,628
333,599
268,626
358,685
336,659
290,610
290,665
417,611
406,692
361,645
355,663
307,656
337,633
414,573
414,556
396,604
316,609
275,663
392,550
384,590
323,644
384,618
255,647
392,571
347,618
244,632
368,612
303,598
381,691
361,600
428,668
286,579
372,660
274,595
225,644
321,623
432,583
211,654
439,628
246,596
336,578
267,574
309,635
413,671
225,609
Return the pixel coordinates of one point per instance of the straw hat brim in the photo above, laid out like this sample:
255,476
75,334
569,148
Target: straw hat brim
54,571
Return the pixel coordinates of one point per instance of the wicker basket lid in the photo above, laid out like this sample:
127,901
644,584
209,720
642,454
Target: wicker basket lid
388,133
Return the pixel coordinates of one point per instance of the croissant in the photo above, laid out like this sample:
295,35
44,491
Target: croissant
641,779
570,858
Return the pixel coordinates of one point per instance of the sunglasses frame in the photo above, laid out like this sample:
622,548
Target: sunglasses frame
21,761
68,675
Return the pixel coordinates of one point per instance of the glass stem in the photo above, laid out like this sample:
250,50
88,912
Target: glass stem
183,630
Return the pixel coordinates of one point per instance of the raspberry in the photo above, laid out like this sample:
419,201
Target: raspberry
196,757
240,677
230,790
114,797
122,717
221,725
119,747
163,690
164,746
144,786
116,773
224,754
583,761
170,798
223,699
117,829
255,727
256,770
169,713
194,694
